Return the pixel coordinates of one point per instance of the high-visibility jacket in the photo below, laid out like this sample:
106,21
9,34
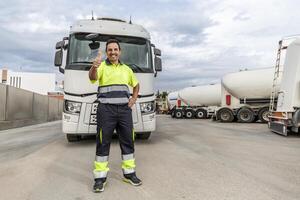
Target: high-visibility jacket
113,80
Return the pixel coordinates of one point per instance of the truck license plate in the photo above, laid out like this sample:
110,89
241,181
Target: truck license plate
93,117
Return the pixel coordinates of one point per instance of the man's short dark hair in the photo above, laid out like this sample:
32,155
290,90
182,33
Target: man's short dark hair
112,41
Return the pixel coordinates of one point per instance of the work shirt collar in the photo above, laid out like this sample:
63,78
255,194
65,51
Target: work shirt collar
109,63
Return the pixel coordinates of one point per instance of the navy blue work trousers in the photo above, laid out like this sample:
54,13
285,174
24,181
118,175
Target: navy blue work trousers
112,117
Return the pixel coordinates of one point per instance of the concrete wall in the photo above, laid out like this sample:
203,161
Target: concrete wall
19,104
53,109
40,107
20,107
2,101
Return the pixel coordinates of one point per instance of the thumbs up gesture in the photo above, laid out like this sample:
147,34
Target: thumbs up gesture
98,58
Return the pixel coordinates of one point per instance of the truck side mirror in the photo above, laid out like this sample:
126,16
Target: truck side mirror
158,65
60,44
58,58
157,52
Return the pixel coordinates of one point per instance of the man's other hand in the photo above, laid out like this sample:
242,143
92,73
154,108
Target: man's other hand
131,102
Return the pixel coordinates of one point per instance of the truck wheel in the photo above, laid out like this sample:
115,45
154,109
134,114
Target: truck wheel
144,136
245,115
225,115
173,113
263,114
178,114
73,137
189,114
201,113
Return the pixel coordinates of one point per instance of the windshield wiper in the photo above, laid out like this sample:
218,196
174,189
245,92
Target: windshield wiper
85,62
136,68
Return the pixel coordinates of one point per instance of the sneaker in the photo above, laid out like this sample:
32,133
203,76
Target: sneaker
132,179
99,184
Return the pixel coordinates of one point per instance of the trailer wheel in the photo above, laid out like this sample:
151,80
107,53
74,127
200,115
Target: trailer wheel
245,115
73,137
225,115
189,114
263,114
173,113
201,113
178,114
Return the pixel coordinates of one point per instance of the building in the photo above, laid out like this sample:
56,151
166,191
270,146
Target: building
41,83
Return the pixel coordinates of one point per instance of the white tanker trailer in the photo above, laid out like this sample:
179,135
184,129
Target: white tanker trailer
198,102
285,116
246,96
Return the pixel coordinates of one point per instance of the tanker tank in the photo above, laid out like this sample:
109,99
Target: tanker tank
172,99
250,84
204,95
198,102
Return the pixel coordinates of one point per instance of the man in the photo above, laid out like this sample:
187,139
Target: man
114,113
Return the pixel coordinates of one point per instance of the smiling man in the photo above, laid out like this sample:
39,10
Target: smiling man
114,113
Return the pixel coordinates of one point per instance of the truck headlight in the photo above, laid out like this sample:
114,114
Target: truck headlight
147,107
72,107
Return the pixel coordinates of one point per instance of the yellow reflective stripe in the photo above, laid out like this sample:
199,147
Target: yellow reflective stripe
128,164
101,166
133,135
101,135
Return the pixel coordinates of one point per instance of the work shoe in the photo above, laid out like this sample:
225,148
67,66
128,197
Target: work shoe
99,184
132,179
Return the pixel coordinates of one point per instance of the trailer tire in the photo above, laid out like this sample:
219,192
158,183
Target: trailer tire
263,115
178,114
189,114
201,114
225,115
245,115
173,113
73,137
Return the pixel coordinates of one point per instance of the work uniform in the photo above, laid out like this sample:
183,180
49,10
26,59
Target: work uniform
114,114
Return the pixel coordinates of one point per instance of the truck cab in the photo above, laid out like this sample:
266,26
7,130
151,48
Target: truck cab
74,57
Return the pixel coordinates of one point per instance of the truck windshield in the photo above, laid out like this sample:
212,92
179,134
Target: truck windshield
135,52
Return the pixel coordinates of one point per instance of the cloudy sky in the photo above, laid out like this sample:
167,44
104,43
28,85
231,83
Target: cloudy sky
201,40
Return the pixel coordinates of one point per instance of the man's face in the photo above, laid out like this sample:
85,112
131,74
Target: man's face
113,52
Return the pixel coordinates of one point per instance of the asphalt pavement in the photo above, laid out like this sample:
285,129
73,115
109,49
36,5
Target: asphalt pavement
183,159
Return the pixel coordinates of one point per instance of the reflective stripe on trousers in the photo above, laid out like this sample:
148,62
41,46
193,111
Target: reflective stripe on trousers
128,163
101,167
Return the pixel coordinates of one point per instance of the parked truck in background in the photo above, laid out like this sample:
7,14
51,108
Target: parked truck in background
74,57
285,116
171,101
246,96
197,102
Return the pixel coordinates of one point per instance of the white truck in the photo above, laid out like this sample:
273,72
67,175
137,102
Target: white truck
285,116
197,102
246,96
74,56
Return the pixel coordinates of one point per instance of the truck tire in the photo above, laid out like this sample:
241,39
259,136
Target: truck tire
144,136
189,114
201,114
225,115
263,115
73,137
178,114
245,115
173,113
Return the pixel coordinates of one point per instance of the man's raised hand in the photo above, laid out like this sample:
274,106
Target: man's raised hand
98,59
